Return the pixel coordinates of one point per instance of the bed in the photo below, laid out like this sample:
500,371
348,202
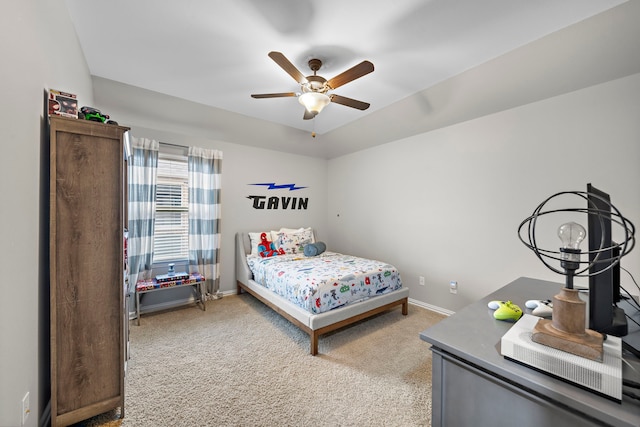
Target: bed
350,300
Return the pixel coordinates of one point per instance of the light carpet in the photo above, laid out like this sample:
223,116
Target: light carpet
240,364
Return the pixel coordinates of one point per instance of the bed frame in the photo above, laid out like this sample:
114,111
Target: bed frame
313,324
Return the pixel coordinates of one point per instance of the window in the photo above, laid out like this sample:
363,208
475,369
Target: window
171,233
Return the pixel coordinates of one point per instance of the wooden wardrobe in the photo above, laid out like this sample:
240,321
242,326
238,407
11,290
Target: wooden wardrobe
86,269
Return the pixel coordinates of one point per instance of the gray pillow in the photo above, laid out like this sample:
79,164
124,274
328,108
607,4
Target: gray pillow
313,249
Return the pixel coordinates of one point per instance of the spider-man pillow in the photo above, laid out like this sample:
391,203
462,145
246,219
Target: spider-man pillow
267,249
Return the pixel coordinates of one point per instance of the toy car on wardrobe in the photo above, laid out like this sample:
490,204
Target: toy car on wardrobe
95,115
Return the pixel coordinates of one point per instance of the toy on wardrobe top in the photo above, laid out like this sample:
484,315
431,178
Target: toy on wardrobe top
95,115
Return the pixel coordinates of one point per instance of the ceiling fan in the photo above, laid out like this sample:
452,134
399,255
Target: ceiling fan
314,95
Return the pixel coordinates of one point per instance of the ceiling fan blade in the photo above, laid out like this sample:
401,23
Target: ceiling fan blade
355,72
308,115
354,103
286,65
272,95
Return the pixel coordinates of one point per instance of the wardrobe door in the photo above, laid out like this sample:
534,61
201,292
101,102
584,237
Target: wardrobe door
86,277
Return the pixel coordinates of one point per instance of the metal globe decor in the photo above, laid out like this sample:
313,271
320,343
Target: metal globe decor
566,331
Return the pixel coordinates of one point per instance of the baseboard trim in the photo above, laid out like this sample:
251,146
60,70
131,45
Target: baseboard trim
186,301
146,309
167,305
431,307
437,309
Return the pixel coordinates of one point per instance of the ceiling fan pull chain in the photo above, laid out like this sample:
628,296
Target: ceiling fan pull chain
313,132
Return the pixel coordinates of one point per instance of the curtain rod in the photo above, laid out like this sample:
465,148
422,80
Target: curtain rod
173,145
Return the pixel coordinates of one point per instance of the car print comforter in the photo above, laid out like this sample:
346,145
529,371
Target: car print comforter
324,282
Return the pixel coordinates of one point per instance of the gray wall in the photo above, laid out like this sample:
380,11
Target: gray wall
446,204
39,51
242,166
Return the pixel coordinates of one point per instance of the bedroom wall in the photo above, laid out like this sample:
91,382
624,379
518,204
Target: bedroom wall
446,204
39,51
243,166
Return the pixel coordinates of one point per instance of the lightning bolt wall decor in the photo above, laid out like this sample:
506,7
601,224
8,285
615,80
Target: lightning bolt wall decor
273,186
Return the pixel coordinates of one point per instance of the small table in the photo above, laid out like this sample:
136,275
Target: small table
151,285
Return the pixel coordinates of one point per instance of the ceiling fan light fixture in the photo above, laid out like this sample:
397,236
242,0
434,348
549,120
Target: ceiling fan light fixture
314,88
314,102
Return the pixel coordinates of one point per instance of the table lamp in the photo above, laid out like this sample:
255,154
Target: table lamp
566,330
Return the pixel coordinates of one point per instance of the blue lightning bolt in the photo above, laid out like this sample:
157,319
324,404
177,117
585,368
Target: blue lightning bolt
273,186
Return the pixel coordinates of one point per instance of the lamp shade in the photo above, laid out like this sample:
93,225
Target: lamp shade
314,102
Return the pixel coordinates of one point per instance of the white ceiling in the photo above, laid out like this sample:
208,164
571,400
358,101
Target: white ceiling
214,52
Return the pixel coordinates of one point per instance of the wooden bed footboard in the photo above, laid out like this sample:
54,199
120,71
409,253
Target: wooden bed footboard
314,334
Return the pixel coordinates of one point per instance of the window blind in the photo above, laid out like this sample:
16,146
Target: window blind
171,233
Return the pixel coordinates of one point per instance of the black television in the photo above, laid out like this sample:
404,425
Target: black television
604,273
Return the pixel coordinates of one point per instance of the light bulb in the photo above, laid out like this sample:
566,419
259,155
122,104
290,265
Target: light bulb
571,234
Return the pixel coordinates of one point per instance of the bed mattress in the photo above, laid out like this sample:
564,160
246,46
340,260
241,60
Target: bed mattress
324,282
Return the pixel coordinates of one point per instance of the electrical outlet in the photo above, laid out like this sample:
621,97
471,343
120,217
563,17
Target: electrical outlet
26,408
453,287
421,280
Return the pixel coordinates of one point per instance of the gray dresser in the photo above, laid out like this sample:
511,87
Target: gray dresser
473,385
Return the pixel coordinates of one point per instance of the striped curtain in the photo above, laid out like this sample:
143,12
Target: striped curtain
204,216
143,166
